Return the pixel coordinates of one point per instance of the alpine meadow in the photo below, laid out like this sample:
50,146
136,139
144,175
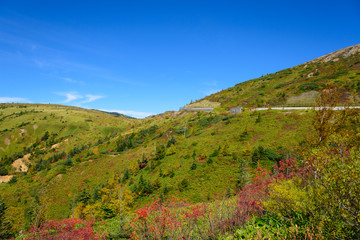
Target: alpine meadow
276,157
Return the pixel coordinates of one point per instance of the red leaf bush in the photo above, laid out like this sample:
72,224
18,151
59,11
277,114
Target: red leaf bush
65,229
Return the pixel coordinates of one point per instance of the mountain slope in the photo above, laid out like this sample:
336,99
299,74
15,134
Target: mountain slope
299,85
74,160
45,129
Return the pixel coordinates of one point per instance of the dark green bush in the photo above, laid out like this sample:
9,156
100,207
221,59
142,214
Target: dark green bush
13,180
308,86
193,166
280,85
183,185
160,152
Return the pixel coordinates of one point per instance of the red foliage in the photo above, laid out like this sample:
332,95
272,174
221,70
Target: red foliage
156,220
248,202
288,169
195,212
65,229
177,220
142,213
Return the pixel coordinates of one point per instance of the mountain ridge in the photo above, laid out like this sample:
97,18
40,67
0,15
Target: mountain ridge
341,53
289,86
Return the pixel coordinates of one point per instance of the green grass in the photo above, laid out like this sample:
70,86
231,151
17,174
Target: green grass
92,138
208,181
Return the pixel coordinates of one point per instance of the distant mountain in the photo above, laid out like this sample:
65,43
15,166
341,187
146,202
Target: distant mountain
116,114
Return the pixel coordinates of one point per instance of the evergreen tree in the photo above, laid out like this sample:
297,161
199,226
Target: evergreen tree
4,224
172,141
160,152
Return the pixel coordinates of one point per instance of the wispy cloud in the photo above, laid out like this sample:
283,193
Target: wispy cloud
75,96
134,114
38,63
13,99
70,80
91,98
70,96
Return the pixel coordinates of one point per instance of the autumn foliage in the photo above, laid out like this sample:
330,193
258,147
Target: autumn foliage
66,229
177,219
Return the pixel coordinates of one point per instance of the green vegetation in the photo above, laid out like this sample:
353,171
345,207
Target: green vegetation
266,174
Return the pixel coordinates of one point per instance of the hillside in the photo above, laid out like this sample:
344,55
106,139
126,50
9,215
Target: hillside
72,162
104,154
298,86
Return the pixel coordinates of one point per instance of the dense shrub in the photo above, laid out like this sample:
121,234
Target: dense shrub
176,219
66,229
3,171
308,86
13,180
172,141
160,152
260,154
204,122
280,85
5,226
183,185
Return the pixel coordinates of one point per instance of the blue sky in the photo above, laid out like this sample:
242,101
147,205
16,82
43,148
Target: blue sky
147,57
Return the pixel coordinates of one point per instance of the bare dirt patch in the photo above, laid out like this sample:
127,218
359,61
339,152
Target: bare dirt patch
20,164
304,98
7,141
26,156
6,178
22,131
55,145
203,104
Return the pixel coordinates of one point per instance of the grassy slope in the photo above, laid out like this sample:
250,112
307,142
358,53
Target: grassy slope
80,126
71,126
277,88
205,133
208,181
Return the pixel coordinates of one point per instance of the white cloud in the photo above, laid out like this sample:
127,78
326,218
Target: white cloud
91,98
74,96
70,97
131,113
13,99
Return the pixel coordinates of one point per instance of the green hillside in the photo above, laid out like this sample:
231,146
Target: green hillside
298,86
102,155
62,162
22,126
